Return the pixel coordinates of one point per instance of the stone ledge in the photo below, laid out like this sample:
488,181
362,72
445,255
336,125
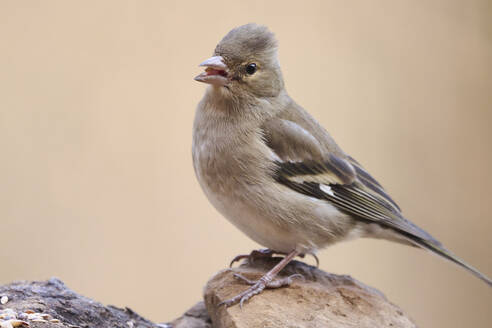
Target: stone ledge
320,300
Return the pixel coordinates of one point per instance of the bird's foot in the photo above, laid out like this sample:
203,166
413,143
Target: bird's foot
257,286
266,253
256,254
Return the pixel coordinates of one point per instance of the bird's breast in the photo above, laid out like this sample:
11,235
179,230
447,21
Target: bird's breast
227,162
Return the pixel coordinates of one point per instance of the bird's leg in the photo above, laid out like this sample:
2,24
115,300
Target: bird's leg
260,253
264,282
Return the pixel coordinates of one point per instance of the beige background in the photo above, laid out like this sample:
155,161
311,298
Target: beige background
96,106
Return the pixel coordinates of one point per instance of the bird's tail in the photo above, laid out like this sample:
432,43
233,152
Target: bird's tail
443,252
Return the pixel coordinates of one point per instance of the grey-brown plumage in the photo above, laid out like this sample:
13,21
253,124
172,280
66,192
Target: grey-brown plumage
273,171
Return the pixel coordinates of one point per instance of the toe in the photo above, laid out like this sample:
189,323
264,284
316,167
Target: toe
287,281
243,278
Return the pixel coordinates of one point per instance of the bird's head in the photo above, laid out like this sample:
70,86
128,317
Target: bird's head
245,64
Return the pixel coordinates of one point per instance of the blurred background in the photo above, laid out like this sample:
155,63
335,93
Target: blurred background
97,100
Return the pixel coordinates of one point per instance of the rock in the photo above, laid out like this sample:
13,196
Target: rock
196,317
321,300
50,304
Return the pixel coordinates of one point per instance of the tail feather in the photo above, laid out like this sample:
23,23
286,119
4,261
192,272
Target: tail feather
443,252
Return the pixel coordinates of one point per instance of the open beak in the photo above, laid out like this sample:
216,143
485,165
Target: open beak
215,72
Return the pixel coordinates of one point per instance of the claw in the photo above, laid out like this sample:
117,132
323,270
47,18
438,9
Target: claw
237,258
297,275
316,258
254,255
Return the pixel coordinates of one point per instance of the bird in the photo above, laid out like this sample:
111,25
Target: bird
275,173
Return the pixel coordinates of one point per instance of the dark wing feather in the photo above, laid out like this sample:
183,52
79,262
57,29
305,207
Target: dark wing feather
354,198
305,168
371,183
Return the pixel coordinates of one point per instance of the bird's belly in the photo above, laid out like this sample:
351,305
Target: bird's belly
263,229
265,232
314,224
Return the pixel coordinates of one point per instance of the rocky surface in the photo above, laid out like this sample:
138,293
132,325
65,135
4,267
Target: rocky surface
320,300
50,304
196,317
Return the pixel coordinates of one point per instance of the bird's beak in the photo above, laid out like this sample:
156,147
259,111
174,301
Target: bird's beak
215,72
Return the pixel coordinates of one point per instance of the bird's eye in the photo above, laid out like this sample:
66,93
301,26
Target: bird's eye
251,68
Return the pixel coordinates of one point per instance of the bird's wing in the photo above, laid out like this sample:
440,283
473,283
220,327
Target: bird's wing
305,166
